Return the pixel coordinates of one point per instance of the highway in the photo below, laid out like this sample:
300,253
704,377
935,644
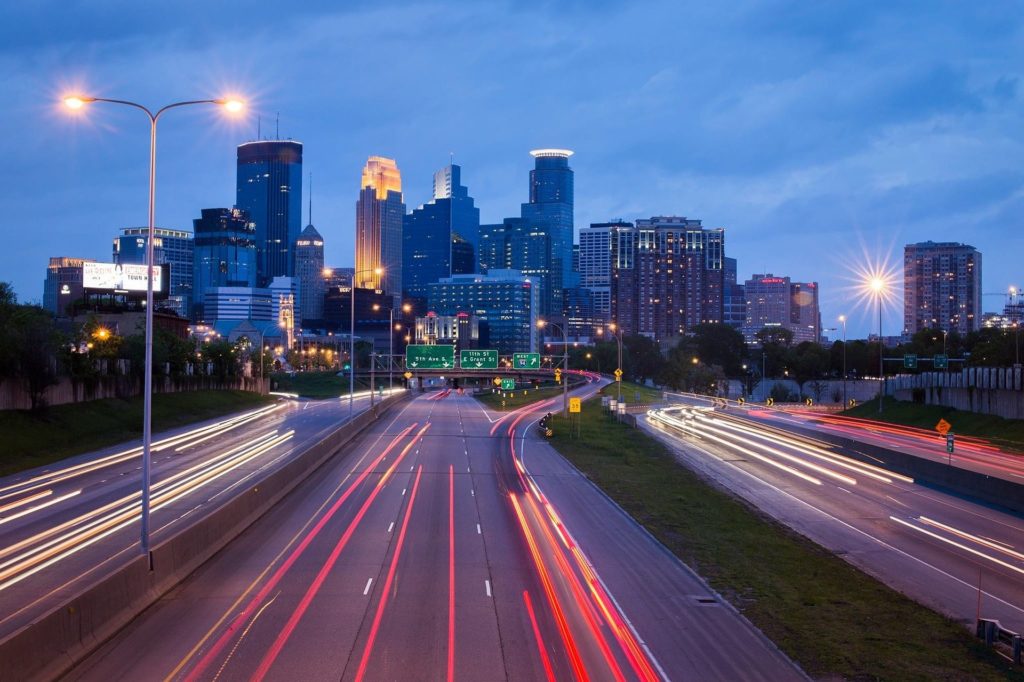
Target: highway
65,524
935,547
447,542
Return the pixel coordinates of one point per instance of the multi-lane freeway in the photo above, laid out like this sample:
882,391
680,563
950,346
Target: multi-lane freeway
67,524
958,556
447,542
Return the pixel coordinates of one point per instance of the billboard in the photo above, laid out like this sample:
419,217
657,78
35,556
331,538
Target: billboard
121,277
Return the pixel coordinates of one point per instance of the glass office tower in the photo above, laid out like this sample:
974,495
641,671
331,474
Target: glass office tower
224,253
380,211
171,247
438,237
269,189
548,218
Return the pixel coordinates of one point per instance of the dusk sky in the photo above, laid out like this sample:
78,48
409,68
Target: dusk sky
820,135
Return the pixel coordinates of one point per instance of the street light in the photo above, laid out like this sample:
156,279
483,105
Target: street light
878,289
565,361
77,102
352,342
842,318
617,333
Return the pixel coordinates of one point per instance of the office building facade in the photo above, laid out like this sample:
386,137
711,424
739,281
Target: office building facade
63,284
224,254
667,276
461,330
734,302
438,237
269,189
941,287
773,301
595,263
238,303
380,212
171,247
504,300
309,271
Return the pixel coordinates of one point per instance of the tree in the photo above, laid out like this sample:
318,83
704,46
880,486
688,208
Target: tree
721,345
35,340
642,358
808,361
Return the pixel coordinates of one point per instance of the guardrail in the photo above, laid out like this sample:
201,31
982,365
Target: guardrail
992,633
53,643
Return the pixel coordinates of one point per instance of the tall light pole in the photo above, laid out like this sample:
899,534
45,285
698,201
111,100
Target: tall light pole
842,318
565,361
352,342
392,328
78,102
617,333
877,285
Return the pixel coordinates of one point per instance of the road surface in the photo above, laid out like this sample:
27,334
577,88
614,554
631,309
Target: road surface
448,542
932,546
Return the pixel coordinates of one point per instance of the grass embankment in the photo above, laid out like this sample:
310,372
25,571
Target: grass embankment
1008,433
31,440
828,616
312,384
633,394
521,396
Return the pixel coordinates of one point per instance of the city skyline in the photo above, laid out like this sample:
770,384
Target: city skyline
918,146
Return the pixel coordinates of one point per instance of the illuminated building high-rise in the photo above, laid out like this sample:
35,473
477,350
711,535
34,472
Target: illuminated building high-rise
941,287
171,247
309,270
269,189
438,237
224,254
379,214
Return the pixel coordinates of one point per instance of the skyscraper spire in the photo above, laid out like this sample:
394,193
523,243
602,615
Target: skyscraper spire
310,197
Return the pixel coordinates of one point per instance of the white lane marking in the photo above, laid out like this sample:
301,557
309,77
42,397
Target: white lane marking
478,532
472,492
366,590
487,586
403,490
391,527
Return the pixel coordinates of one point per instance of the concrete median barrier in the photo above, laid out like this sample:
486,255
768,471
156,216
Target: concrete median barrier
56,641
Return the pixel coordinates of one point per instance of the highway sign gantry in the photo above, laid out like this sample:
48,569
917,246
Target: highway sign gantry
478,359
526,360
439,356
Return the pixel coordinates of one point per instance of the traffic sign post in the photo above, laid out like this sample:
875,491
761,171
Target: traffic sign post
618,375
526,360
575,405
508,384
478,359
950,441
419,356
943,427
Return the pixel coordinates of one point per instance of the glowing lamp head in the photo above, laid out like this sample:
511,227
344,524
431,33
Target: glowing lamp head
76,102
231,104
877,284
378,271
842,318
540,324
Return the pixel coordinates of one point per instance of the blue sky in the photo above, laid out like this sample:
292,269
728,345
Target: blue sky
820,135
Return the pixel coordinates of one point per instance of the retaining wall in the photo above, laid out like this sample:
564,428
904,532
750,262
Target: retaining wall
53,643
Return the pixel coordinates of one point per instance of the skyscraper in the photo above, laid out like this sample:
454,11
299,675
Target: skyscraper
734,302
941,287
438,236
379,215
173,247
667,276
773,301
309,270
269,189
544,249
224,254
595,267
503,299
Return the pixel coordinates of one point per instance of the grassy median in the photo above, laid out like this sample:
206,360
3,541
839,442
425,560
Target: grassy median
312,384
834,620
1007,433
510,400
31,440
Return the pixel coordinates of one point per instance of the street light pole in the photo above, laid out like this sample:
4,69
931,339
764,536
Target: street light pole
565,361
881,351
232,105
352,342
842,318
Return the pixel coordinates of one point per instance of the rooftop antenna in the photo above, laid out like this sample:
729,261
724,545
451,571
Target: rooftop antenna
310,197
277,126
451,158
259,127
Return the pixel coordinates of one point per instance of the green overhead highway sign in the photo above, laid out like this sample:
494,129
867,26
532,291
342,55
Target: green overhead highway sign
910,361
478,359
940,362
429,357
526,361
508,384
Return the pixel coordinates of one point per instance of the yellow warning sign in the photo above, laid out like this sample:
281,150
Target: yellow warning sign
574,404
943,427
497,381
408,375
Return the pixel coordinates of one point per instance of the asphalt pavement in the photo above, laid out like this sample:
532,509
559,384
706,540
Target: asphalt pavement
445,542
